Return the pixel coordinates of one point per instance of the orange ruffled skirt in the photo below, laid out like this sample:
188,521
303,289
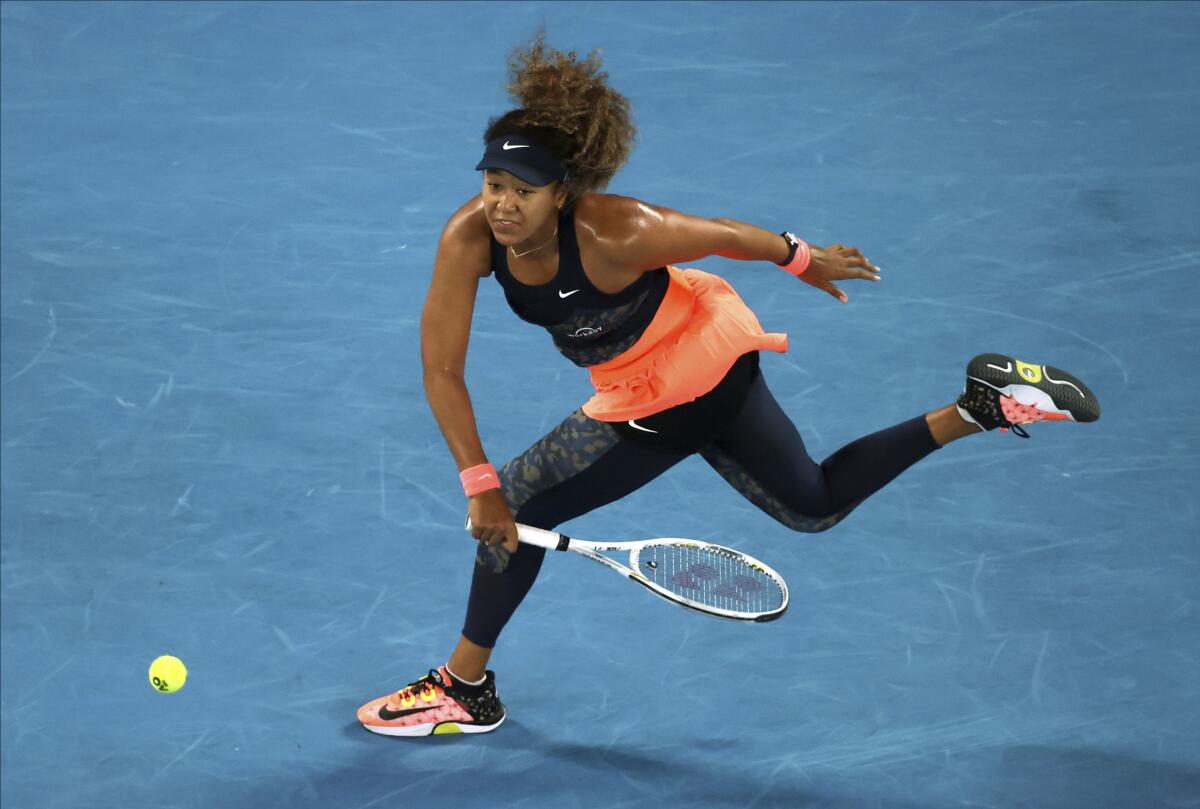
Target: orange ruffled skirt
701,328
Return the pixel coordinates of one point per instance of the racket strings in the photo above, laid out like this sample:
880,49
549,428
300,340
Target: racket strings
712,577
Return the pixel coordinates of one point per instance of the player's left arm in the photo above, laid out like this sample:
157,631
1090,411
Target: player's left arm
652,236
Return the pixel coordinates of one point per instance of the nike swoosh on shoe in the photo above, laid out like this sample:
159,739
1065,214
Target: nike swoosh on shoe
1064,382
388,716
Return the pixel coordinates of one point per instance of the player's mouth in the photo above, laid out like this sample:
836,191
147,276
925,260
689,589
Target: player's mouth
505,225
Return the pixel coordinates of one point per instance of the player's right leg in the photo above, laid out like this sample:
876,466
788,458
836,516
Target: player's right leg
579,466
434,704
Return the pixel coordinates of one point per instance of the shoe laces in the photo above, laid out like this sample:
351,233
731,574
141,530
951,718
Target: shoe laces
1015,414
1016,429
427,689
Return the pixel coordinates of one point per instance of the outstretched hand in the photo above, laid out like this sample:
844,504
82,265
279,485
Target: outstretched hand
837,263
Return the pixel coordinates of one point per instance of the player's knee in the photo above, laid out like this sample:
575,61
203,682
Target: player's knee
808,525
813,520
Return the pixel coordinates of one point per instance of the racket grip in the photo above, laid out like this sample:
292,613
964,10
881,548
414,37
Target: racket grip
551,540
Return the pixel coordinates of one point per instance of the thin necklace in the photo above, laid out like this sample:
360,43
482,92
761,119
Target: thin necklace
534,250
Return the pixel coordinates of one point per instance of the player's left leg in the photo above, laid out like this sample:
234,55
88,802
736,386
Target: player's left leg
762,455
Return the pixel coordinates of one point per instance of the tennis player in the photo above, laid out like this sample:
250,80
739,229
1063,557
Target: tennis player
672,354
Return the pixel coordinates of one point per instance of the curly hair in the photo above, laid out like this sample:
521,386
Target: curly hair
567,106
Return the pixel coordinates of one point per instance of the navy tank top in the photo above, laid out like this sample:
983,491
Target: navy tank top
588,326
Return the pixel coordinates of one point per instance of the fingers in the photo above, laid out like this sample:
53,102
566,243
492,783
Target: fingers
863,272
855,259
494,537
491,534
862,269
502,534
835,292
840,262
491,521
859,260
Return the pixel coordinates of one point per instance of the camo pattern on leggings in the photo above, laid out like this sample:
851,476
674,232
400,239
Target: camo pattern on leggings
772,506
564,452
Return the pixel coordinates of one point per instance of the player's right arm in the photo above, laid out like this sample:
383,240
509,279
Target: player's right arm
462,259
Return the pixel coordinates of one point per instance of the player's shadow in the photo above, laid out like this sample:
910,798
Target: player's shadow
1030,776
652,771
672,772
532,770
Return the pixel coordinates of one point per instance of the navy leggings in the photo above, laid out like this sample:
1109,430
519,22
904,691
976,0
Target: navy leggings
583,464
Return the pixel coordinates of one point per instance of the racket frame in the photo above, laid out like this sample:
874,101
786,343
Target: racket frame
555,541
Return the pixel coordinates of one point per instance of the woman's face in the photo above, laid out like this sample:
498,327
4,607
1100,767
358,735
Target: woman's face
516,210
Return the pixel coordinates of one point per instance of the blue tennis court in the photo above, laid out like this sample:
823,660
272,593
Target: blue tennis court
219,222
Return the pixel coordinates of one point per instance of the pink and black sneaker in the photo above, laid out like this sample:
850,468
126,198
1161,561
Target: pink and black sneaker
435,704
1006,393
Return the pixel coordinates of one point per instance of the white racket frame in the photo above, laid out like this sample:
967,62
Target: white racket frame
554,541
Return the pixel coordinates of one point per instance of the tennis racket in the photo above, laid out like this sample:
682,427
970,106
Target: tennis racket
708,578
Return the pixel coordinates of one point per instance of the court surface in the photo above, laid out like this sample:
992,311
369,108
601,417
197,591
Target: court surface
218,226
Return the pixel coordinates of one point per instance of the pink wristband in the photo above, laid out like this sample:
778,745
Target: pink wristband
479,479
799,262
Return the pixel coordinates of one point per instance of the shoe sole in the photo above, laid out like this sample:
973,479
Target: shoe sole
434,728
1045,387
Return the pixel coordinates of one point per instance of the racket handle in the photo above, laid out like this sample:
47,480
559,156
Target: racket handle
551,540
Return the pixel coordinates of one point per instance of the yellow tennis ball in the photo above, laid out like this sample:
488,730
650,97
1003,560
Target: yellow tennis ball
167,674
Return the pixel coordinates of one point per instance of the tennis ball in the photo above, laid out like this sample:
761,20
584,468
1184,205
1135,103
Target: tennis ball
167,674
